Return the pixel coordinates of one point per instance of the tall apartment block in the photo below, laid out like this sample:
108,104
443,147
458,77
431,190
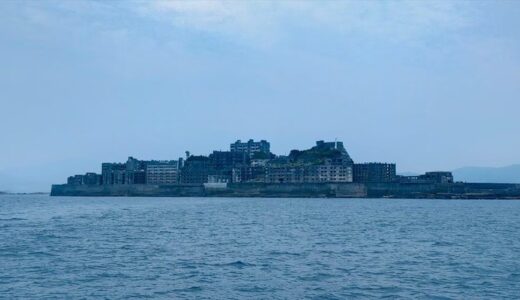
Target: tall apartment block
251,147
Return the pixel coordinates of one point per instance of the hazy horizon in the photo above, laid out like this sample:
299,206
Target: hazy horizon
429,85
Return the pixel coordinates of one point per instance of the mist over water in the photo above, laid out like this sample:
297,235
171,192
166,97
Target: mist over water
119,248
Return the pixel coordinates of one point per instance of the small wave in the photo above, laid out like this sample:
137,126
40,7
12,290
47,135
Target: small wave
13,219
253,289
328,252
42,253
190,289
345,270
43,237
284,253
237,264
442,244
437,297
327,296
118,275
246,224
317,277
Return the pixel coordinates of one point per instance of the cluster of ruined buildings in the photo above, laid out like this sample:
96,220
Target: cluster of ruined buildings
326,162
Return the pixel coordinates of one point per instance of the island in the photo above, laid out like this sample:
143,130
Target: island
250,169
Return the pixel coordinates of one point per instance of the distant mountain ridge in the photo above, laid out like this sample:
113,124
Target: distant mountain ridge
508,174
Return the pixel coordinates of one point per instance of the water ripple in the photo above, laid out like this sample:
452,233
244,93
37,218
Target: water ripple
190,248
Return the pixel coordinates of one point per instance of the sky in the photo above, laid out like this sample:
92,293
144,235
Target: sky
429,85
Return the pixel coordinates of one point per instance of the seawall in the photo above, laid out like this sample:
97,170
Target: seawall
301,190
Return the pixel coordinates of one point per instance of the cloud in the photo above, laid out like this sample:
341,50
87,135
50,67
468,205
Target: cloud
266,21
231,19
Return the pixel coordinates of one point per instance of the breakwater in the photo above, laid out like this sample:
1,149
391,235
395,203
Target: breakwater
301,190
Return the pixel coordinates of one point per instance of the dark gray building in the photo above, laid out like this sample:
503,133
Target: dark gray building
196,170
113,173
374,172
437,177
248,174
87,179
75,180
226,160
285,174
131,172
135,171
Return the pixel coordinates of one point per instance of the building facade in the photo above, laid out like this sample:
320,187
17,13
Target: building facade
113,173
285,174
335,170
227,160
251,147
374,172
196,170
249,174
131,172
135,171
326,172
437,177
75,180
325,162
162,172
87,179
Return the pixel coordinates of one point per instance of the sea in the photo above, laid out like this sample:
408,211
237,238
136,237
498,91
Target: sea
257,248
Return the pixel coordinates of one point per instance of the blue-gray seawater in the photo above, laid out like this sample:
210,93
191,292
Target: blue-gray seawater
222,248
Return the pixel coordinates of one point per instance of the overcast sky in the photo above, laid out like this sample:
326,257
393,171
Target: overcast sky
427,85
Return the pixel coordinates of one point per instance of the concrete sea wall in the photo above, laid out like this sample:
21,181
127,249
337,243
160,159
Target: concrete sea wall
233,190
302,190
288,190
444,191
137,190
